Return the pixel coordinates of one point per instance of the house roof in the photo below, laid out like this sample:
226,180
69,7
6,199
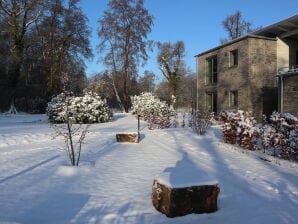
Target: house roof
282,29
234,41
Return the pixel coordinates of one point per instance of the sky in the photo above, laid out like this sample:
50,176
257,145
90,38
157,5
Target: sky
198,23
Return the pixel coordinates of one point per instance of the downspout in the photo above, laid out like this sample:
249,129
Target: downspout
281,94
197,89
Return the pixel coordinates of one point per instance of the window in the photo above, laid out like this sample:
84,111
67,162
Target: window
211,70
233,58
211,102
233,98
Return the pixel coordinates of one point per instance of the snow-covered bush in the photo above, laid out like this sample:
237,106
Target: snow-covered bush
213,118
151,109
293,144
239,127
201,126
55,108
71,117
199,123
277,136
280,135
87,109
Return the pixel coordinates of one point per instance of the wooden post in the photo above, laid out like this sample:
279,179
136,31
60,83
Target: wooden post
139,127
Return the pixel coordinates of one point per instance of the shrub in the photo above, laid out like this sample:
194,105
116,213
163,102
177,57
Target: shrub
280,135
87,109
277,136
199,123
55,108
151,109
239,128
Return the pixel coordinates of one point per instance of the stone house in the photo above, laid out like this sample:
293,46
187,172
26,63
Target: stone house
243,73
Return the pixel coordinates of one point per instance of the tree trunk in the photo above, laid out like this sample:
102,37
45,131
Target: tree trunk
125,97
72,151
117,96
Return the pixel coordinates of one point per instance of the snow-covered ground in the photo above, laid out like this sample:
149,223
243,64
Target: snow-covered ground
114,180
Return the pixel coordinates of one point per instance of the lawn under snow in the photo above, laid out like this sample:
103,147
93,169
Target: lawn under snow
114,180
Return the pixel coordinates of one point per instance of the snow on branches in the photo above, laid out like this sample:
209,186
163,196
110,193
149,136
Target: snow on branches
151,109
276,136
280,135
199,122
71,117
239,127
87,109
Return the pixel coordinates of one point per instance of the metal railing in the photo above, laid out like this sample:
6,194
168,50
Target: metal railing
292,69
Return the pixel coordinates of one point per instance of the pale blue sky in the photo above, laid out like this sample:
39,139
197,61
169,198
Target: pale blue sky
196,22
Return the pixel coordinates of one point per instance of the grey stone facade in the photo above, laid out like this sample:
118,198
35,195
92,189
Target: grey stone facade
264,77
252,78
289,94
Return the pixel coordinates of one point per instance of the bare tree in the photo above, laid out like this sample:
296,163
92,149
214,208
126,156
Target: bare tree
18,15
73,134
146,82
64,33
123,30
236,26
39,41
187,91
172,66
162,91
102,84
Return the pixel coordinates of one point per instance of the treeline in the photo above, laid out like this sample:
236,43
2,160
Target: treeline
103,84
41,41
44,43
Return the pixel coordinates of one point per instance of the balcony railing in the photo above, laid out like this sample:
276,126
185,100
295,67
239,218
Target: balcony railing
288,70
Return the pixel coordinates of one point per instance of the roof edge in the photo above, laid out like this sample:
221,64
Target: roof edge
235,41
259,31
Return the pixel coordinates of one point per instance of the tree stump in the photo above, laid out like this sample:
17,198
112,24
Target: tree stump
128,137
179,201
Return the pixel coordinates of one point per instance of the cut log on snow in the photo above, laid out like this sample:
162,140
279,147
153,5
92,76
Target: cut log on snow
128,137
178,201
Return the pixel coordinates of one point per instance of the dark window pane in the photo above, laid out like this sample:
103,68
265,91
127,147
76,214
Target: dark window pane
211,70
233,98
233,58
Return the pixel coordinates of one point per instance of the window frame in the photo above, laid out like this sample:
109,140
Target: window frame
211,101
233,58
233,98
211,66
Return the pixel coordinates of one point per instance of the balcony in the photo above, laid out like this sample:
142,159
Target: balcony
293,70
